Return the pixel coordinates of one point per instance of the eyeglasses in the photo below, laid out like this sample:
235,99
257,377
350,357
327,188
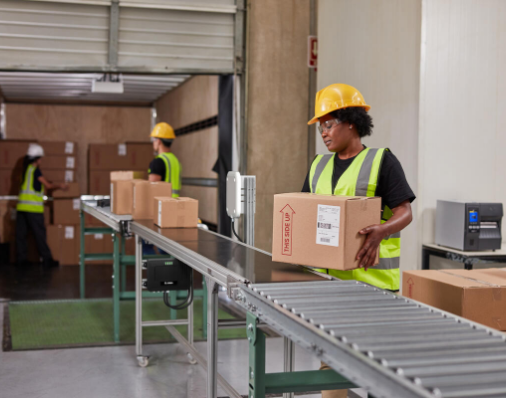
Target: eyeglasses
327,125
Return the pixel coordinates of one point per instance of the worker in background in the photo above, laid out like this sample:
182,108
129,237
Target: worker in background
166,166
352,169
30,207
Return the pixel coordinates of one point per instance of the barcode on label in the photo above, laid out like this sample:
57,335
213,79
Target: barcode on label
324,225
325,240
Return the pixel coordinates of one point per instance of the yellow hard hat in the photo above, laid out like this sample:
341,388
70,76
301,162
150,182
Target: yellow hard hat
337,96
163,130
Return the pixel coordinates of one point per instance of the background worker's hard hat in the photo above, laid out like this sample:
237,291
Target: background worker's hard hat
163,130
334,97
35,151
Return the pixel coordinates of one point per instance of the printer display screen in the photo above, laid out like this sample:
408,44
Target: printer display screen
473,216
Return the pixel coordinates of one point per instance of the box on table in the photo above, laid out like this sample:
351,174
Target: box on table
72,191
12,153
66,211
122,196
477,295
59,148
64,242
176,212
53,162
59,175
127,175
143,194
321,230
136,156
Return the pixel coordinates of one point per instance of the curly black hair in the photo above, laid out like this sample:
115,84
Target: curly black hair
357,116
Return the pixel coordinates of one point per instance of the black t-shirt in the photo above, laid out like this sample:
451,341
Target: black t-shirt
393,188
157,166
36,183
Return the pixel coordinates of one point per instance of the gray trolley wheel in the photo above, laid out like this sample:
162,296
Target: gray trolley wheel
143,361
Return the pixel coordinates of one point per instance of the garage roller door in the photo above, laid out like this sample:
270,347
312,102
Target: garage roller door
149,36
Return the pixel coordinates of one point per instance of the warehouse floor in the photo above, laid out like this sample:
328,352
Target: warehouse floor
113,371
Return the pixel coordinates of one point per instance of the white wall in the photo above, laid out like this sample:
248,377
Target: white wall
462,140
375,47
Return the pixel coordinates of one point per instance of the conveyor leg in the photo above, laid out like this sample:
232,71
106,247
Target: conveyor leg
116,286
81,257
289,361
204,308
256,370
212,338
138,301
123,266
173,301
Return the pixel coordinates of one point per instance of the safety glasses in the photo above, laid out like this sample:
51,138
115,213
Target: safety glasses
328,125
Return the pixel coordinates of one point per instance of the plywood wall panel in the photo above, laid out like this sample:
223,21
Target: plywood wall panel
277,104
198,153
193,101
82,124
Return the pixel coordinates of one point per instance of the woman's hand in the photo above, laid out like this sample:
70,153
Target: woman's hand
64,186
368,252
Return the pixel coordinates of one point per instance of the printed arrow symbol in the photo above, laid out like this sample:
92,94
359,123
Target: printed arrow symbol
283,209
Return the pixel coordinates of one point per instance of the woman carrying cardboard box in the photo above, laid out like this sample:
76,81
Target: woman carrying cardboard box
352,169
30,207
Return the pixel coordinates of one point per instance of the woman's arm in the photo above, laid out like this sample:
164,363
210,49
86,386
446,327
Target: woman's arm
402,217
50,185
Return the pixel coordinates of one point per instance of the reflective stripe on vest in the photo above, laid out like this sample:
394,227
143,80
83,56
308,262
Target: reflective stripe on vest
30,200
360,179
172,172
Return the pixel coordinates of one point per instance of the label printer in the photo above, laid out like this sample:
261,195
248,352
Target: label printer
469,226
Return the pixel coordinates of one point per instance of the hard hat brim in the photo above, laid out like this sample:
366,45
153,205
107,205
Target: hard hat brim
316,118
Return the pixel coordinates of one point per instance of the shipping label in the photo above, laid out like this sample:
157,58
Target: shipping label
69,148
76,204
122,150
159,212
287,214
69,232
99,236
70,162
327,225
69,176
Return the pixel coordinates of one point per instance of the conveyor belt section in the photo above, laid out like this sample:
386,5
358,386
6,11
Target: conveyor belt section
393,346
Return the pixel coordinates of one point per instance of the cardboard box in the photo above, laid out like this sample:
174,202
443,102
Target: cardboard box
48,213
10,181
143,195
129,156
122,197
12,153
59,148
321,230
176,212
64,242
478,295
60,175
66,211
127,175
99,182
7,221
71,192
53,162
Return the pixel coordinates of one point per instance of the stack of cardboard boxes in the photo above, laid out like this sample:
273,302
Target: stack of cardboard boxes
59,165
104,158
151,200
12,153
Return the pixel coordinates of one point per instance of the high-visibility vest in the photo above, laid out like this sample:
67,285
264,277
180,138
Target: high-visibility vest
172,171
30,200
361,179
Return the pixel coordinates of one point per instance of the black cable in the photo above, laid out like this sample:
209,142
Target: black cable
235,233
183,304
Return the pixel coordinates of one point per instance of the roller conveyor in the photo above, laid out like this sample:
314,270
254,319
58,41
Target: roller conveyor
390,345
